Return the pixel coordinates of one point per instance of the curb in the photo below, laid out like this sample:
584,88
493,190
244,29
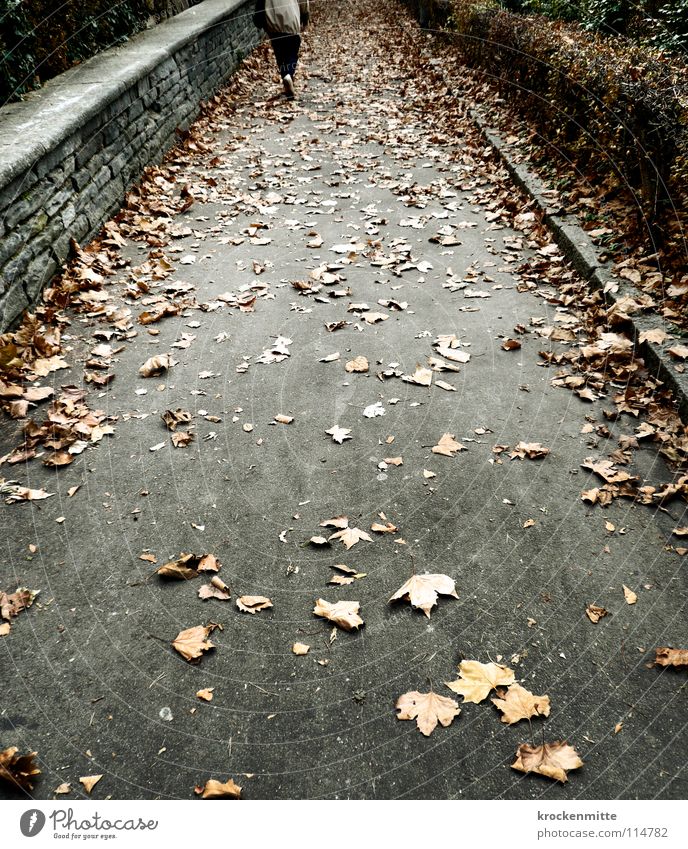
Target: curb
580,251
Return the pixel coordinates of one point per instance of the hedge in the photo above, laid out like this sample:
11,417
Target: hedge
40,38
618,110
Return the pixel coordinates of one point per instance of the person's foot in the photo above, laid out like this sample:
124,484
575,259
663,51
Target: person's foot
289,87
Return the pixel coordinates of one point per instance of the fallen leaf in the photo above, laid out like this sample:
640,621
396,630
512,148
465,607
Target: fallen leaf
477,679
342,613
594,613
173,418
679,351
205,695
629,595
358,365
215,589
18,769
519,703
192,642
339,522
157,365
677,658
89,782
63,789
448,446
214,789
300,649
351,536
531,450
422,591
427,709
550,759
421,377
182,439
656,335
339,434
387,528
282,419
188,566
511,345
253,603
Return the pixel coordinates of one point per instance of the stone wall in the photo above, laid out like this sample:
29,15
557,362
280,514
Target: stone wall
70,151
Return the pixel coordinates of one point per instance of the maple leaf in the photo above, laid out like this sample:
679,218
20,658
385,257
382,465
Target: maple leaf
89,782
477,679
342,613
387,528
531,450
157,365
518,703
422,591
16,493
358,364
427,709
448,446
18,769
173,418
351,536
192,642
678,658
550,759
12,604
300,649
214,789
253,603
339,434
182,440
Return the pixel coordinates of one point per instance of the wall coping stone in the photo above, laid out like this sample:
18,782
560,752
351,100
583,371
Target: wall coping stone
32,128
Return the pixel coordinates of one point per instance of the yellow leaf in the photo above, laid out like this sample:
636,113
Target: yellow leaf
427,709
477,679
519,703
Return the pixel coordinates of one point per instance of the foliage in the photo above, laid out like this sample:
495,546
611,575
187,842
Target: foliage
39,38
618,110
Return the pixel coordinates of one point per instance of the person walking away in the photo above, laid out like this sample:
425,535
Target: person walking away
282,21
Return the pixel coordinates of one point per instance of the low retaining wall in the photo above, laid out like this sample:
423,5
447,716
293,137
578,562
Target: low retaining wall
71,150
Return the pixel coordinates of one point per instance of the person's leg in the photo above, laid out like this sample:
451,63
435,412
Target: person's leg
278,40
292,47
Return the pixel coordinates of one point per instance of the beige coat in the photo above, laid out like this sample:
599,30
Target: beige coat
285,15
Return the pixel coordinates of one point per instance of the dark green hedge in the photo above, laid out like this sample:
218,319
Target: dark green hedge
617,109
41,38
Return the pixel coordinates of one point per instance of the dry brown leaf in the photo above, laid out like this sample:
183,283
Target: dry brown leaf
511,345
679,351
339,522
12,604
300,649
192,642
427,709
550,759
214,789
205,695
531,450
173,418
665,656
63,789
446,386
422,591
282,419
656,335
215,589
157,365
17,769
182,439
518,703
421,377
448,446
351,536
476,680
188,566
594,613
387,528
342,613
5,627
253,603
357,365
89,782
339,434
629,595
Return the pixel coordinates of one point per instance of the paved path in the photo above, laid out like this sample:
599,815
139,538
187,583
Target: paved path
363,158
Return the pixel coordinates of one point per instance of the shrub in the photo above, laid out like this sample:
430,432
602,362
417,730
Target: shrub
619,110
